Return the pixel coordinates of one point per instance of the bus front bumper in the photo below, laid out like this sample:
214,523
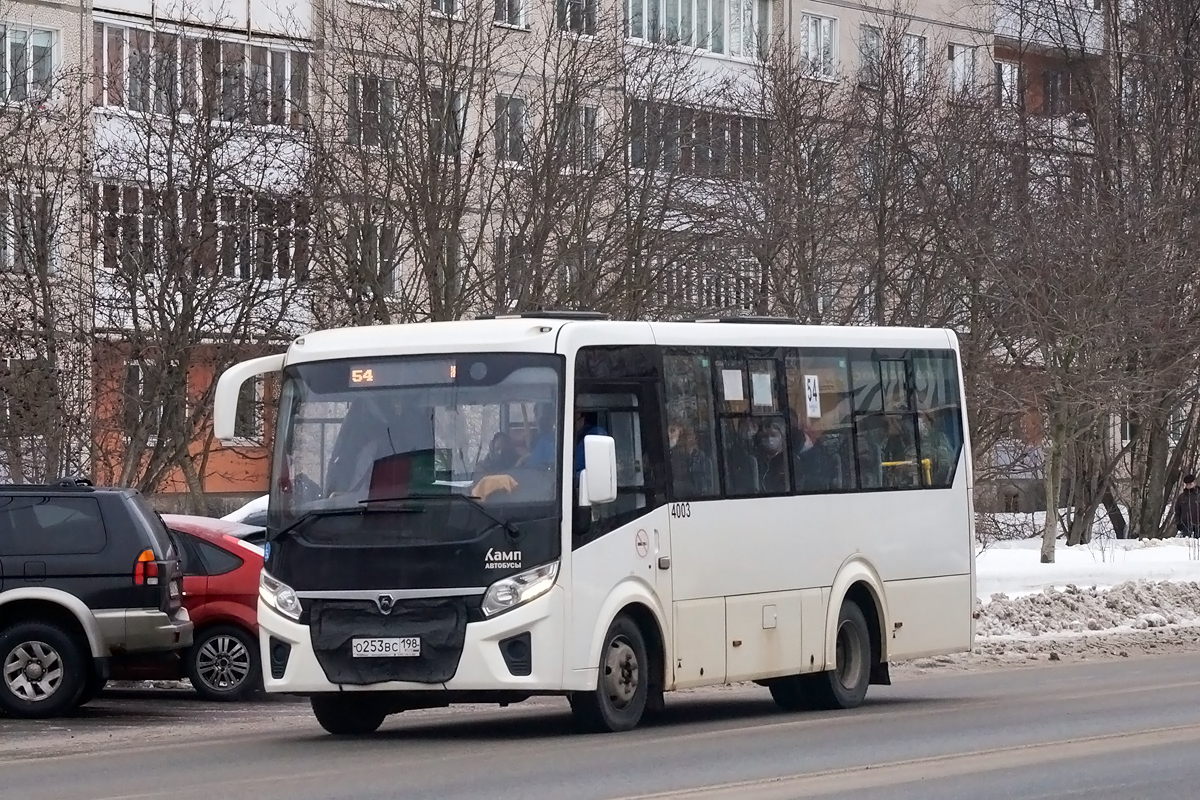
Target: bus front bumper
481,668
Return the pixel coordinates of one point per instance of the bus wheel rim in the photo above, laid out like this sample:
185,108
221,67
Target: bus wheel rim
620,673
849,656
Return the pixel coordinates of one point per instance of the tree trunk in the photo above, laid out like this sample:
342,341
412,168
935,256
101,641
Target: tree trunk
1053,479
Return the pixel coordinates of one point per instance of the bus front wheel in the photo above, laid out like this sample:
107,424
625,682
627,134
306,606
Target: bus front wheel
622,686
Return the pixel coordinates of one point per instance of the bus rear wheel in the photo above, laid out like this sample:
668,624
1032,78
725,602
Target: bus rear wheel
844,686
623,683
344,715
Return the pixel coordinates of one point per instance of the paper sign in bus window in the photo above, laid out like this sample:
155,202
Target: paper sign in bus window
732,381
812,395
760,390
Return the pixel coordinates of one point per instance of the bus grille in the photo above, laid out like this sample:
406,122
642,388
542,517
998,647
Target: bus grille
441,624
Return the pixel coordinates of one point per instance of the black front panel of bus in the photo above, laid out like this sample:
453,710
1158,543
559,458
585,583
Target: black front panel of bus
381,551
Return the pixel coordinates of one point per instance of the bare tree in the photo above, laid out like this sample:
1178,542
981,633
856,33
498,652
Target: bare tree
44,283
202,237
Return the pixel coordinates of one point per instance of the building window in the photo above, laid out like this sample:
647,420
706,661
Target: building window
732,27
372,251
818,45
510,129
166,73
578,16
673,138
511,12
447,8
446,114
578,143
1008,84
963,74
913,60
512,263
870,48
578,266
27,68
241,236
26,232
1056,92
248,425
143,408
372,110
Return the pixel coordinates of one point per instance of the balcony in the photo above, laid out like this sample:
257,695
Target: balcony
1067,28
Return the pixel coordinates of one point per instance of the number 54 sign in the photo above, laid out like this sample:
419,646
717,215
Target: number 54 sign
812,395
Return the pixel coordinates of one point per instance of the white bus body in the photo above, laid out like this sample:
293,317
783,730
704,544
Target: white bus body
729,560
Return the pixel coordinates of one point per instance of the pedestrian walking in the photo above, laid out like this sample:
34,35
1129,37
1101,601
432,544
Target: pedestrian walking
1187,508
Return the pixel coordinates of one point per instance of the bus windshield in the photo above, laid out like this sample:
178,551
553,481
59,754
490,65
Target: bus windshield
383,430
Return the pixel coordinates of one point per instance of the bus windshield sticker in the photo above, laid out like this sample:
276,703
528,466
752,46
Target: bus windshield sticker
732,380
760,389
812,395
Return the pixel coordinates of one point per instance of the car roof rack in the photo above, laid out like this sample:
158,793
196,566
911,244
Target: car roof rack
749,320
70,482
565,315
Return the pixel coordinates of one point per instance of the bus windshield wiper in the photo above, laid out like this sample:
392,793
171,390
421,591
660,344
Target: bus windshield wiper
310,515
470,499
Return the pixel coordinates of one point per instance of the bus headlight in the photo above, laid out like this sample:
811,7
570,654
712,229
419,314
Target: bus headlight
516,590
279,596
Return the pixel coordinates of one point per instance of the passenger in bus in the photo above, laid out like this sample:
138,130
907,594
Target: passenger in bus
741,467
545,443
937,446
816,468
771,447
586,424
691,468
502,455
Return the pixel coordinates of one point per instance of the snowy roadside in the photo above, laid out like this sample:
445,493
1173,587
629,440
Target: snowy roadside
1109,599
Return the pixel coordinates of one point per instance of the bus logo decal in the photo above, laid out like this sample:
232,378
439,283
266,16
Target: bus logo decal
502,559
386,603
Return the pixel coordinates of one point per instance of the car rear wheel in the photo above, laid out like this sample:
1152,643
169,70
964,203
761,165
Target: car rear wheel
93,685
42,670
223,663
344,715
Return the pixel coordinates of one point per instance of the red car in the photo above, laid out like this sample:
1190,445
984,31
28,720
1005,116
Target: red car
220,591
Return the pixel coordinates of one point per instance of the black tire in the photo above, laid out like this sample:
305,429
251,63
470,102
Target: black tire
622,685
43,670
223,663
844,686
791,693
347,715
92,687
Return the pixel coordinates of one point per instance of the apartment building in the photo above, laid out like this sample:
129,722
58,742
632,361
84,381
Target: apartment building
202,116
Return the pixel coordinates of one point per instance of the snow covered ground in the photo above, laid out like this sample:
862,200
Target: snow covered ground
1109,586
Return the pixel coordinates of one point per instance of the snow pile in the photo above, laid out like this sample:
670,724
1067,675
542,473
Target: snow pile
1014,568
1132,605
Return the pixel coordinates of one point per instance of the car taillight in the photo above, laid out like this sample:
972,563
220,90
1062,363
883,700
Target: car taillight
145,571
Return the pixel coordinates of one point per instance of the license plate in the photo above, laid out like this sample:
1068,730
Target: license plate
173,590
408,646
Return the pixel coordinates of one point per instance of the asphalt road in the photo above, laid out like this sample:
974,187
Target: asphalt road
1126,729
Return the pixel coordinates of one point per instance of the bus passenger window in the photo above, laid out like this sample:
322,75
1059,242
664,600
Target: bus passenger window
821,432
690,426
754,432
939,416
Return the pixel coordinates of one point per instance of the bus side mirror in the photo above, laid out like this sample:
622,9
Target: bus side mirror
229,387
598,480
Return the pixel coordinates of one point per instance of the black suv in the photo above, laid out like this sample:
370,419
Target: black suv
88,577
